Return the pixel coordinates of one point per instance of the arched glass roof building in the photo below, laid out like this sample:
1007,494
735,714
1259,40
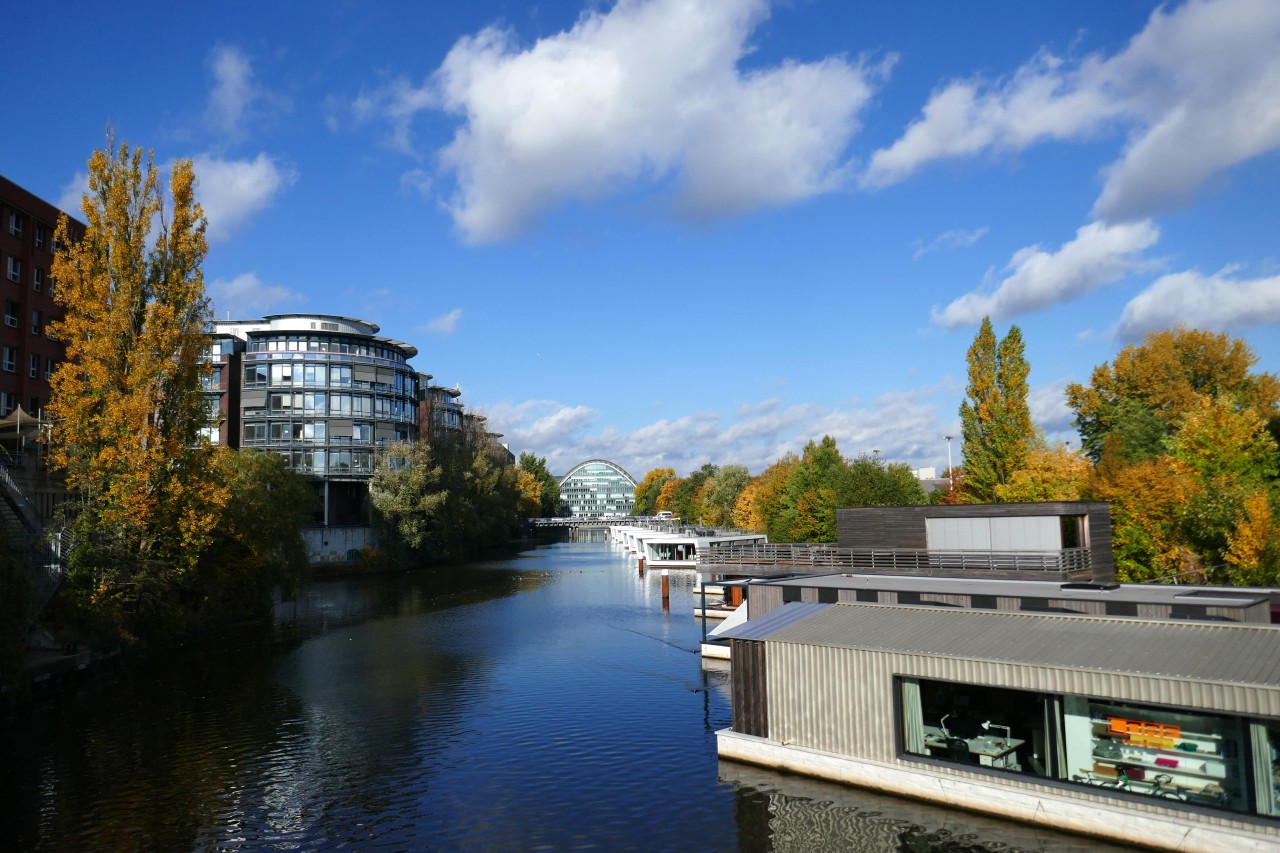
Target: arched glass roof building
598,487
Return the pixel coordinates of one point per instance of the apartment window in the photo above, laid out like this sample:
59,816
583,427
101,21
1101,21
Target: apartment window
37,279
8,402
33,370
40,236
35,405
36,324
9,359
11,314
15,269
15,223
48,369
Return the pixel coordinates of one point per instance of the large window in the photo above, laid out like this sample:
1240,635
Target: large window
1177,755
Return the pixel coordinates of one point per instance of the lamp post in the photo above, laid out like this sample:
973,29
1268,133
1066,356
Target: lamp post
951,472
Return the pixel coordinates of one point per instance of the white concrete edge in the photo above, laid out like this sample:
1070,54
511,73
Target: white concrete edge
1093,816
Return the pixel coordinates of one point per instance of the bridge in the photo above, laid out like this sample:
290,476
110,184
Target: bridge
601,522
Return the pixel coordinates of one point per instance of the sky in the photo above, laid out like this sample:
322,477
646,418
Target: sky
672,232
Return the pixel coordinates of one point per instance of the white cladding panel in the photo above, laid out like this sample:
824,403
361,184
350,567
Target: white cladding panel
1033,533
958,534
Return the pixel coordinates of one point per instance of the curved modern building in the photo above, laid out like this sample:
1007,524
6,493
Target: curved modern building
598,487
321,390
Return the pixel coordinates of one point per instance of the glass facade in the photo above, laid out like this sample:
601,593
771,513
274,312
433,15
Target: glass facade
1178,755
326,399
598,488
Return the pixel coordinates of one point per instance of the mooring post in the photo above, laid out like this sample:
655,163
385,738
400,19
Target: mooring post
642,567
666,586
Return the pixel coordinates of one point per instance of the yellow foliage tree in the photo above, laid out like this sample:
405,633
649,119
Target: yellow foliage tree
1048,474
529,487
1254,546
127,403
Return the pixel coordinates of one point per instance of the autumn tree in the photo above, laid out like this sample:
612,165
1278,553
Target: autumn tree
648,489
995,420
687,500
540,490
811,493
1136,400
126,403
1049,474
759,504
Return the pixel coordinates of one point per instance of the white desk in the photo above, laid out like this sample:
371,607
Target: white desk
991,750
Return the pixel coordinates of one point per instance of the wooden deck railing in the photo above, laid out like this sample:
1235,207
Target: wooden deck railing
801,558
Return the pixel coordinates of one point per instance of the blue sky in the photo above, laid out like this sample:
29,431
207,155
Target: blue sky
668,233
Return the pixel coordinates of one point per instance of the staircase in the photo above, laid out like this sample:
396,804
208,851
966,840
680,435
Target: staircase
24,531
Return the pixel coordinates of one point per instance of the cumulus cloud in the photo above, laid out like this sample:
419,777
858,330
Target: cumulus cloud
247,296
445,324
1216,301
1195,89
955,239
1049,410
234,191
1099,254
647,92
236,98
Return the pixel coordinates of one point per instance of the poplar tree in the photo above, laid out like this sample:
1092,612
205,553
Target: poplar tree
127,404
995,420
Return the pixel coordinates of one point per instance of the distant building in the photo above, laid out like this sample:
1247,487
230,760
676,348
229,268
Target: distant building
323,391
597,488
27,354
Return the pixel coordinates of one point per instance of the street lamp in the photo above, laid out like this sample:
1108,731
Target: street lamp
951,472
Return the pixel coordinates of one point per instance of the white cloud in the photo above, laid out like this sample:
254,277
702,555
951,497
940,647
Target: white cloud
236,98
73,194
418,181
1049,410
246,296
233,191
1099,254
1215,301
1196,88
955,239
903,427
648,91
445,324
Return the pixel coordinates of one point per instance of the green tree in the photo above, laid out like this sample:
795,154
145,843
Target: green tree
995,420
873,482
687,502
809,497
721,493
1136,401
759,506
548,504
126,403
259,543
648,489
449,497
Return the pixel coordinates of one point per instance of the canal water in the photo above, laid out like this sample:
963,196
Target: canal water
543,702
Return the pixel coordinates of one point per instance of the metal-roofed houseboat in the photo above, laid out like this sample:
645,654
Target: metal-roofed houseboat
1153,732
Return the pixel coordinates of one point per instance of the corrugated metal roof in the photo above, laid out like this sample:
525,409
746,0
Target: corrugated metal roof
775,620
1232,654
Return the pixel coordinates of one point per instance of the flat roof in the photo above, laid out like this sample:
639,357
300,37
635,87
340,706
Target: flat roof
1137,593
1199,651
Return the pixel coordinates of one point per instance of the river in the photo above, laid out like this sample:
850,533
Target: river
542,702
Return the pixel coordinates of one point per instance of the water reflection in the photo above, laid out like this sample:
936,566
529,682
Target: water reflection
542,702
781,813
